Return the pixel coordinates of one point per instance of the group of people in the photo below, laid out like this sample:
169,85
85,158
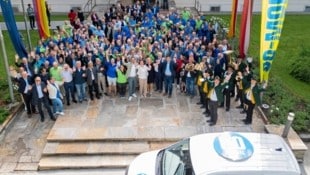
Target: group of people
132,48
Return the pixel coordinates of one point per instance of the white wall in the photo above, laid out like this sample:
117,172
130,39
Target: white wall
66,5
225,5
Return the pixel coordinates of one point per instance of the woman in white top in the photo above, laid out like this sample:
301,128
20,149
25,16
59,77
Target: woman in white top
142,75
55,96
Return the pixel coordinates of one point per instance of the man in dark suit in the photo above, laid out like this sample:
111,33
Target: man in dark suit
26,65
24,86
168,72
92,80
39,97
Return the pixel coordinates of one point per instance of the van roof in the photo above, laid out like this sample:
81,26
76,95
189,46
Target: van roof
242,153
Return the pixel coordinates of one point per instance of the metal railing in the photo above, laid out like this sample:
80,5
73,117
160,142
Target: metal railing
89,6
198,6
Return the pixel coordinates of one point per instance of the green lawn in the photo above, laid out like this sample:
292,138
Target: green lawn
10,49
295,33
54,17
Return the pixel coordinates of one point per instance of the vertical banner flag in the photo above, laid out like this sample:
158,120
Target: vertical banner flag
8,15
233,17
41,17
273,14
245,29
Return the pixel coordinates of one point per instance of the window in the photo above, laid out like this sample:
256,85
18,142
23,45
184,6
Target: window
215,8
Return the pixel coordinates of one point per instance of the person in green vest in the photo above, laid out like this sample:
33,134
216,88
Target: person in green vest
198,23
215,96
207,76
252,98
185,14
121,80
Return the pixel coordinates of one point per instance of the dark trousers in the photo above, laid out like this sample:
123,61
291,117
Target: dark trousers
240,96
93,87
249,111
27,100
207,105
227,98
168,84
44,101
202,96
31,20
158,81
213,105
121,89
69,89
177,76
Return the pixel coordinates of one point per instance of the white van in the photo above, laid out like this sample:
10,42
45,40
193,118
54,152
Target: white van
227,153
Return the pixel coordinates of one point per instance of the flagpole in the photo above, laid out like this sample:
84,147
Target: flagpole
26,26
6,64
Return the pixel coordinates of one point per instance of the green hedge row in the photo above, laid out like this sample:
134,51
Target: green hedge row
282,102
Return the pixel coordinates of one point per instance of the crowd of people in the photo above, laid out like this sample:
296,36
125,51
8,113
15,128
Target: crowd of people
130,48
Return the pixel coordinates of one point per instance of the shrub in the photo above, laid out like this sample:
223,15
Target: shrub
282,102
3,114
300,66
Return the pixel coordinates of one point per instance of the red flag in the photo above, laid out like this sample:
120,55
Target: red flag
233,17
245,28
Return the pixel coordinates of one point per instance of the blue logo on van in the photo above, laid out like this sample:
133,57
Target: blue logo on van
233,146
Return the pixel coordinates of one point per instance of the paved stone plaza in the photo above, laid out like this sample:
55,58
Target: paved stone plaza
154,117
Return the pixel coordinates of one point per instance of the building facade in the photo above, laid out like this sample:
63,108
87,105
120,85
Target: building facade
201,5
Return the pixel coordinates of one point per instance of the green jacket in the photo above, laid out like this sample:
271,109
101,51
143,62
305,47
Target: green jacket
218,90
256,90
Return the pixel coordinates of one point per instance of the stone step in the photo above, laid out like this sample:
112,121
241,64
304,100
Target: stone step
156,133
85,162
101,148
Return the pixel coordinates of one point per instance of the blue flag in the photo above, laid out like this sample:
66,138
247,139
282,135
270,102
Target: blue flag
7,13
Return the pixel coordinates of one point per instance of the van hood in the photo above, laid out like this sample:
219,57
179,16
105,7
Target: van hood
148,162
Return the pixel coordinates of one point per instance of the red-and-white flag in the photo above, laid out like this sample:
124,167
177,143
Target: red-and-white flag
245,30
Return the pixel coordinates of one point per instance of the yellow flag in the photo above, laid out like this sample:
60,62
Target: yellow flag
273,13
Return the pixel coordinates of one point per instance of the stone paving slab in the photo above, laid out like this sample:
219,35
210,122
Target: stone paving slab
79,162
98,147
27,166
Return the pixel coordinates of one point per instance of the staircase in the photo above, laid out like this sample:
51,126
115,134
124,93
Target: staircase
100,153
110,133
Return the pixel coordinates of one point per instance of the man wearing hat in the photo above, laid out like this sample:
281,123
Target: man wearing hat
230,87
215,97
252,98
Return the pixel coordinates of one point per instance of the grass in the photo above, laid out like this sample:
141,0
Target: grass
10,48
54,17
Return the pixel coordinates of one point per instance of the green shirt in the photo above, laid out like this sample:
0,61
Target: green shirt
121,77
198,24
56,73
185,15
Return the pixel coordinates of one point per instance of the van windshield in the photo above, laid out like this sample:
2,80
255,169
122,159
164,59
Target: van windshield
176,159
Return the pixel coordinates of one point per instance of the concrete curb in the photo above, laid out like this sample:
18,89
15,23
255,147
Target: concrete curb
263,116
10,118
305,137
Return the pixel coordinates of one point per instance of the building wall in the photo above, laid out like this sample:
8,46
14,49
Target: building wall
225,5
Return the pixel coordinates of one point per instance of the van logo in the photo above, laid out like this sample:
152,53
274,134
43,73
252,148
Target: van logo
233,146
